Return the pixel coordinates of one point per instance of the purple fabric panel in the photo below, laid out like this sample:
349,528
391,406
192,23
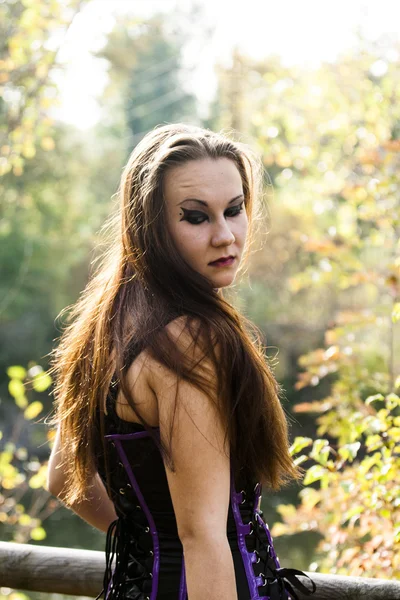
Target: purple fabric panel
129,436
265,527
156,547
243,529
263,524
182,585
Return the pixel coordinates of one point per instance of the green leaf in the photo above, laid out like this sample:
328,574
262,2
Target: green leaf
314,473
377,397
320,451
300,443
16,372
318,445
349,451
300,459
392,401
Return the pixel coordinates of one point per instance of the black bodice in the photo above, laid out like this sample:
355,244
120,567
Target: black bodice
144,553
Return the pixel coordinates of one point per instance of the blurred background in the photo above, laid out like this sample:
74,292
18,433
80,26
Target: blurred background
315,90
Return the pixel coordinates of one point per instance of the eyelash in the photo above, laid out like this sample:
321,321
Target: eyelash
193,214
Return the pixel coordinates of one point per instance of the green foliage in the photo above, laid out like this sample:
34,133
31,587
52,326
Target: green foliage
354,471
356,505
24,501
26,87
330,142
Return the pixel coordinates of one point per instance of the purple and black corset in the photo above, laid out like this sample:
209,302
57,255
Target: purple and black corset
144,555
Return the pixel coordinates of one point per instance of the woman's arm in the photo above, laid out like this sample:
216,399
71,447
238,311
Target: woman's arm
97,510
200,485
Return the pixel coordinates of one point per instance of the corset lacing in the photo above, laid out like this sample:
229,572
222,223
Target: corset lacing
119,544
272,574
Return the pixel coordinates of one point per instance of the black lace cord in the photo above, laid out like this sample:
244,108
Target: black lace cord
110,553
116,547
281,573
117,542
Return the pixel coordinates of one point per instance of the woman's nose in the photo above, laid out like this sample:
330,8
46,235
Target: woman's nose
222,235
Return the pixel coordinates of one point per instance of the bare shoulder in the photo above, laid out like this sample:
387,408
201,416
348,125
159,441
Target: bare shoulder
188,337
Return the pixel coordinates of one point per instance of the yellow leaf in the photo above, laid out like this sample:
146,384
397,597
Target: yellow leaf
16,372
18,596
46,102
24,520
310,497
286,510
396,312
16,388
38,533
18,170
17,391
28,150
39,479
279,529
21,401
41,70
33,410
41,382
47,143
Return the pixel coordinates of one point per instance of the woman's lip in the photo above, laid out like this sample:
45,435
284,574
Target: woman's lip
223,263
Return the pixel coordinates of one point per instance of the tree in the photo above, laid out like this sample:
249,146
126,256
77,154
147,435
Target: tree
28,52
146,85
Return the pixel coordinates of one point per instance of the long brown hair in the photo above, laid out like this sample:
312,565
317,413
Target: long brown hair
141,284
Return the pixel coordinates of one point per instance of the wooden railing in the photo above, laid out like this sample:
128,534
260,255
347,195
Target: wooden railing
80,572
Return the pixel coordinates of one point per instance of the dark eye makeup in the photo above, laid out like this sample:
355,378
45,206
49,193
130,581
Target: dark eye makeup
193,216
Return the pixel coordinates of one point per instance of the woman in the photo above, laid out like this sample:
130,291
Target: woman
168,415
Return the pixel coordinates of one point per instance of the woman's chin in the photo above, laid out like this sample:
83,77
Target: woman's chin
222,280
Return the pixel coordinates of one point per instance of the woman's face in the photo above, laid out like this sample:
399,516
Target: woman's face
206,216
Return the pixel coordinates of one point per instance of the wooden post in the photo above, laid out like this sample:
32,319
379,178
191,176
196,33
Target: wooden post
80,573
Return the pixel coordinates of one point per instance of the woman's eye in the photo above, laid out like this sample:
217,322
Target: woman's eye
235,210
193,217
196,217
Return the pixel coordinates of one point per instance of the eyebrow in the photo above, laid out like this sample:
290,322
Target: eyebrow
205,203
